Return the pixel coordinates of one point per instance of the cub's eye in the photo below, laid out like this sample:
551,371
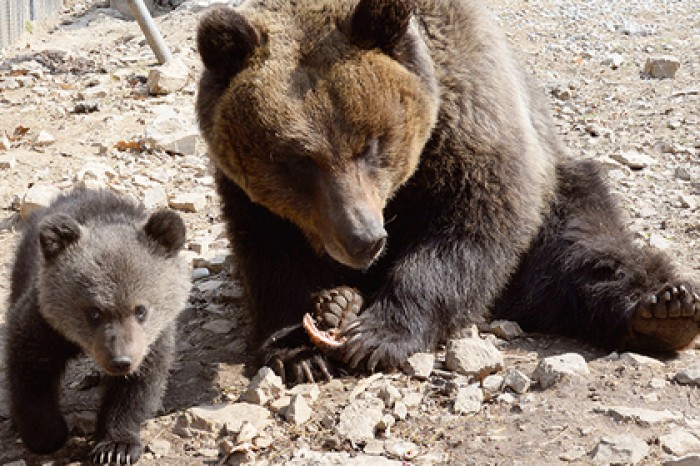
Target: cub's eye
94,315
140,313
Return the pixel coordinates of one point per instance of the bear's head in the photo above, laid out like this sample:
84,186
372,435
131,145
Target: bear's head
112,288
319,111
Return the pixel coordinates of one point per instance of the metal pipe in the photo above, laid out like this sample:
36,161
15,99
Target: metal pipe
150,30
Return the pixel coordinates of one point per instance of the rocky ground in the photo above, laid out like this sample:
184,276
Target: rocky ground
78,108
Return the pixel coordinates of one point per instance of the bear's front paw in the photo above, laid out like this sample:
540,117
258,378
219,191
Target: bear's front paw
368,342
334,309
666,320
111,451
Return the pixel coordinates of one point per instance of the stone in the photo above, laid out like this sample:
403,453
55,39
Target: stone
554,369
171,132
680,442
468,400
263,387
43,138
659,242
167,78
94,175
7,161
473,357
36,197
310,391
491,385
689,375
641,416
516,381
620,449
159,447
419,365
639,360
298,411
374,447
614,60
400,410
401,449
189,202
389,395
660,67
690,460
227,416
155,198
633,159
4,143
686,201
359,419
506,329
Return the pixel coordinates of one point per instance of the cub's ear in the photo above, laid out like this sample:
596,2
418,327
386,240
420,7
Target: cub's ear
380,23
56,233
225,40
167,230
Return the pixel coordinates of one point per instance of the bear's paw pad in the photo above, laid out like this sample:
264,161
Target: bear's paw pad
668,319
111,452
333,310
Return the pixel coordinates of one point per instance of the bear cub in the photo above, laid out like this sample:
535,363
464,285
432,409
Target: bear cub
94,274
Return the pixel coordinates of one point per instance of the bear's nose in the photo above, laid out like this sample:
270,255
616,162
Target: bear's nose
367,247
121,364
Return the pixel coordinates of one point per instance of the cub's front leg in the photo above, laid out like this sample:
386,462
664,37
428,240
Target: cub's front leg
128,401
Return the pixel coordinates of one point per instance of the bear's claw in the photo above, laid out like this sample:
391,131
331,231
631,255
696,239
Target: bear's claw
120,453
666,320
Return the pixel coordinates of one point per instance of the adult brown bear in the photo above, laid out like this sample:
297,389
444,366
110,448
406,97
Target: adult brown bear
394,147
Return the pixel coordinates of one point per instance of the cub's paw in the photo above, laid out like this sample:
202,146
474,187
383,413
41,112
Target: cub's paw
368,343
667,320
116,452
289,353
334,309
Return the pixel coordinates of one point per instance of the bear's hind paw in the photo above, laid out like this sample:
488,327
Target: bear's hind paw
300,365
666,320
112,452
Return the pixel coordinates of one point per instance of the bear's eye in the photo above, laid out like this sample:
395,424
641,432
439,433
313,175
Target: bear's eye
140,313
371,153
94,314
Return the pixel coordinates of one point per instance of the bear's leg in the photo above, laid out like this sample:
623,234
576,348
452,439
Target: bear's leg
281,273
585,277
36,356
130,400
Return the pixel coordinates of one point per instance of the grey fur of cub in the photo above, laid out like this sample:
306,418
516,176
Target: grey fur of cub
94,273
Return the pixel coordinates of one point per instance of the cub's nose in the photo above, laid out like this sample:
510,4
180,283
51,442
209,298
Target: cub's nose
120,364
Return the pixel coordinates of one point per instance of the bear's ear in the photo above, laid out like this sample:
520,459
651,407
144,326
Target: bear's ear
56,233
167,230
225,39
380,23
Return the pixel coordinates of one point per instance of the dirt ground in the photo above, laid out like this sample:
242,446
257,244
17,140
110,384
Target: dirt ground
81,78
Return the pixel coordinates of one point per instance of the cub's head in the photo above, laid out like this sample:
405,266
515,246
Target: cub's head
319,111
112,288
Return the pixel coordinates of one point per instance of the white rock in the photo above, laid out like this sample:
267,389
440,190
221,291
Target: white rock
659,242
516,381
639,360
643,417
492,384
38,196
506,329
7,161
680,442
661,66
159,447
94,175
473,356
687,201
167,78
401,449
389,394
310,391
633,159
155,198
554,369
620,449
44,138
689,375
189,202
4,143
263,387
690,460
171,132
199,273
419,365
468,399
298,411
212,418
614,60
359,419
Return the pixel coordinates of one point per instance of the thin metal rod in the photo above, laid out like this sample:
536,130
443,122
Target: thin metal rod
150,30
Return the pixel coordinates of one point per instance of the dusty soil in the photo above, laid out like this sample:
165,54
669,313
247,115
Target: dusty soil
603,110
